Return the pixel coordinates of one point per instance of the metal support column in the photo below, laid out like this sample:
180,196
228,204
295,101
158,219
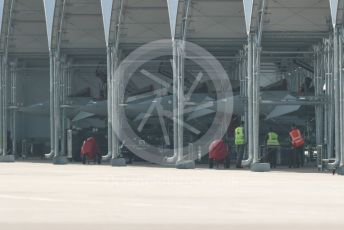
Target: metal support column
14,107
182,161
52,117
244,89
175,101
1,105
57,116
69,132
249,102
341,98
5,107
256,102
325,91
116,159
242,76
59,156
180,82
115,105
180,101
257,49
329,112
340,169
318,83
109,102
4,92
336,86
63,98
112,28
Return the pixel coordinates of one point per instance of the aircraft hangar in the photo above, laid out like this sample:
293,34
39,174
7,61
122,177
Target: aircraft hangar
160,80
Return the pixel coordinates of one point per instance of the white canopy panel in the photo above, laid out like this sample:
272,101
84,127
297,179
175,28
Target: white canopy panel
215,24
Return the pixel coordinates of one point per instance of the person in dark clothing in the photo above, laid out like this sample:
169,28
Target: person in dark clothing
297,143
292,159
272,144
9,143
240,144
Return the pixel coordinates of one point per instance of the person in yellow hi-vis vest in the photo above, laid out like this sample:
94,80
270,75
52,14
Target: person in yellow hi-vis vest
272,144
240,144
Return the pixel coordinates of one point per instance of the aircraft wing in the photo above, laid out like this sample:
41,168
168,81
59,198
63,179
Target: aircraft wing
289,119
36,109
200,113
97,108
82,115
281,110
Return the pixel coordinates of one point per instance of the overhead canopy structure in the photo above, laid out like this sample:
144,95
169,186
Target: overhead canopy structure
28,33
217,25
83,26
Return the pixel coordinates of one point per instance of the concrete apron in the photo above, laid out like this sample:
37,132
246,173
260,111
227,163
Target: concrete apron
7,159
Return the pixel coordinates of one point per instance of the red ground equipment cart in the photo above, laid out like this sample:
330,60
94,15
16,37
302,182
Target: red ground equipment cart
90,151
218,153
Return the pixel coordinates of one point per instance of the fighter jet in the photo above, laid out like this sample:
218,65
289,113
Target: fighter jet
198,105
43,108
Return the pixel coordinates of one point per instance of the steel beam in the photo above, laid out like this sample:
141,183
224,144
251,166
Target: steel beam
5,107
336,87
180,100
248,9
255,114
244,89
56,77
51,91
174,158
56,104
109,103
115,105
256,90
63,101
49,10
249,124
318,85
295,102
173,6
180,45
60,89
4,118
341,97
329,111
1,77
115,89
1,105
107,6
14,107
115,86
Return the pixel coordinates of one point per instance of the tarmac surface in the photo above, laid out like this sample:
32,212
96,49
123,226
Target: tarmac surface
44,196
